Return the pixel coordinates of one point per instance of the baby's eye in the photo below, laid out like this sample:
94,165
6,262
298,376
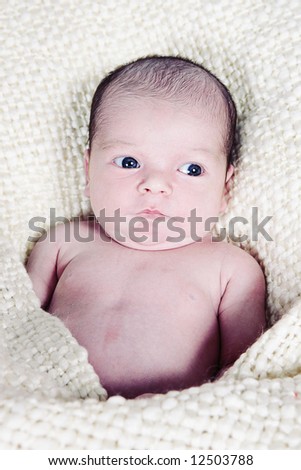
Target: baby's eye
192,169
126,162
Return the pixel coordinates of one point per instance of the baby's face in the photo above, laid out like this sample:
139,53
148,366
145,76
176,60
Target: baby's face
151,162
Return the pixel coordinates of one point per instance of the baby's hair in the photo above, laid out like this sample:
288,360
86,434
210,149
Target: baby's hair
171,78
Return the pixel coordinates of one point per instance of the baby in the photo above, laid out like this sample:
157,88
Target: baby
143,286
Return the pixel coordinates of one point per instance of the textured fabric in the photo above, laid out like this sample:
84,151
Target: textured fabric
53,56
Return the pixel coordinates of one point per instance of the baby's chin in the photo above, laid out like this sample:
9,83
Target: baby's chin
154,246
153,238
147,242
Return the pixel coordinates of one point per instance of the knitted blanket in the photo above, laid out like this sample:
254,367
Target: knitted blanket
53,56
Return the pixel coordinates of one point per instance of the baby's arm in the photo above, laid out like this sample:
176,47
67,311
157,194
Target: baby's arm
242,308
41,265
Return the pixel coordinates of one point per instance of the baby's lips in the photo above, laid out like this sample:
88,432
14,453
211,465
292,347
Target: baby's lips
151,212
151,215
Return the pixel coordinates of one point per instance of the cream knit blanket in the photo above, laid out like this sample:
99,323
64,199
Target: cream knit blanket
53,55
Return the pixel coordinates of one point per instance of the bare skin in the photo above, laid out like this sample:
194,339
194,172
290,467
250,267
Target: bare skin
153,315
151,321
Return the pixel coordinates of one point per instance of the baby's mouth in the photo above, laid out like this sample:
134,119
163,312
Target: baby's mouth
151,213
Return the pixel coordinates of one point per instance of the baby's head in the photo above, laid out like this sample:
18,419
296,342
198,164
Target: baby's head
173,79
161,137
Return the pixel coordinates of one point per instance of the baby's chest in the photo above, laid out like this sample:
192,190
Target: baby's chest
130,285
157,312
122,308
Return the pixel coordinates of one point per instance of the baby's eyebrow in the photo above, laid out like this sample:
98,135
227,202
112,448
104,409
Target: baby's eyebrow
205,151
114,142
201,150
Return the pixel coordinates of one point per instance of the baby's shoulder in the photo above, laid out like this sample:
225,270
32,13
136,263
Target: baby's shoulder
70,236
236,254
73,231
238,263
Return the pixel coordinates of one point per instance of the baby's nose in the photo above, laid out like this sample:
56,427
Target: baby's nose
156,184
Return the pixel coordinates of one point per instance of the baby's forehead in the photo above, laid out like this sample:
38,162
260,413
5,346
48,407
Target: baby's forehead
120,108
207,106
146,122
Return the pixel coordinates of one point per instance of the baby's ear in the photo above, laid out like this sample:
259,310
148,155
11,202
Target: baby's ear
87,162
228,181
